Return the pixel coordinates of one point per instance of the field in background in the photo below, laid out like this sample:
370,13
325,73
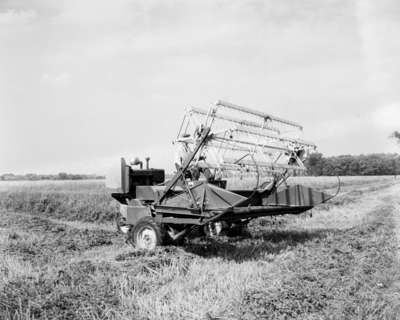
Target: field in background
61,258
84,200
77,186
90,200
98,187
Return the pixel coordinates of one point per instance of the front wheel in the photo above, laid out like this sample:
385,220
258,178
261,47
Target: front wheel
146,234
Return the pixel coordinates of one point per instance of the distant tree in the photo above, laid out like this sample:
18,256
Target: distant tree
354,167
63,176
59,176
315,164
371,164
396,136
32,176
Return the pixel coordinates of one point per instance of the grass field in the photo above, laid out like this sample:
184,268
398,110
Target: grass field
62,259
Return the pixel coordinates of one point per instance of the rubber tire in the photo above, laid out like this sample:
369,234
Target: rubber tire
143,223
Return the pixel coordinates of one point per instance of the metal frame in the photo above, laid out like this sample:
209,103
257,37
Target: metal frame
196,134
253,142
269,139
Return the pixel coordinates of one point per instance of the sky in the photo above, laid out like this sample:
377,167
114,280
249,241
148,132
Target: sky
83,83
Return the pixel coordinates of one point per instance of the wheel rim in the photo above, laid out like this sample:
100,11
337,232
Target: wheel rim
146,239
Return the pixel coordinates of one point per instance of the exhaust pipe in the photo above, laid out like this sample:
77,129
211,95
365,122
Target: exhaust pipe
136,162
147,163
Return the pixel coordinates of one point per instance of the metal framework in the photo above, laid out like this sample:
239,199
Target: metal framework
229,138
224,140
242,140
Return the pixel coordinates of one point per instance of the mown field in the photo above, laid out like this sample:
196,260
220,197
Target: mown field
62,259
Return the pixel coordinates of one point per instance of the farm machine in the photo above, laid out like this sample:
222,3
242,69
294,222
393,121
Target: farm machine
217,147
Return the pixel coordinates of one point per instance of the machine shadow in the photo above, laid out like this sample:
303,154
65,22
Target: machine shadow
264,245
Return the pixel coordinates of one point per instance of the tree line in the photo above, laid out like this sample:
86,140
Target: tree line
316,163
353,165
59,176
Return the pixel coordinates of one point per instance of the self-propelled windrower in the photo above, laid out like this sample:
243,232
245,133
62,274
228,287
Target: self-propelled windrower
216,146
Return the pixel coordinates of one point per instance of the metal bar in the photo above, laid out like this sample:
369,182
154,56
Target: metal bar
173,212
268,208
264,164
245,215
235,166
263,115
235,120
177,220
186,164
182,123
203,203
253,144
227,147
282,139
251,168
241,158
266,135
188,190
177,210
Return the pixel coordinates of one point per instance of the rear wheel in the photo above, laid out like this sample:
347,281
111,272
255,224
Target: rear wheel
146,234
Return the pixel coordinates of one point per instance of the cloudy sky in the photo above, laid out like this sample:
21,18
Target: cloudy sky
84,82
